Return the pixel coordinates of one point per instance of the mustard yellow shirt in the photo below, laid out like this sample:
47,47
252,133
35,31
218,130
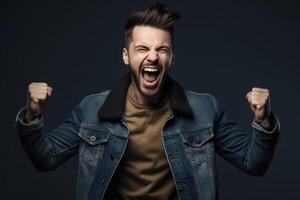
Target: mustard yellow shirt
144,172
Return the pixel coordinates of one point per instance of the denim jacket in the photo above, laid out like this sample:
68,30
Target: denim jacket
196,129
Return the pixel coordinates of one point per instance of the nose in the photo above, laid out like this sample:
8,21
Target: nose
153,57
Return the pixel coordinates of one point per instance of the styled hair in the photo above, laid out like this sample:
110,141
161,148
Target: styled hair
158,16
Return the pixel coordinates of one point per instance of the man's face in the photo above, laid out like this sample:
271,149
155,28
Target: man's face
149,55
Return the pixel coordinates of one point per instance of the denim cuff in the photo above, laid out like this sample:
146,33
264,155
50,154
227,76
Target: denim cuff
274,125
20,120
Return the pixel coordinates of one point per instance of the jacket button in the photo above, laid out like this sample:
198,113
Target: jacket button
93,138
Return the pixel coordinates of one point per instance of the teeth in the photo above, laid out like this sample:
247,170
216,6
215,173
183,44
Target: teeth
150,69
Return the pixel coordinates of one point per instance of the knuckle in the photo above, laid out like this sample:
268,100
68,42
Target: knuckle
41,84
29,86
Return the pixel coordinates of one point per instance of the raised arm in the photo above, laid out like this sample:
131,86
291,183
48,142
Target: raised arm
46,150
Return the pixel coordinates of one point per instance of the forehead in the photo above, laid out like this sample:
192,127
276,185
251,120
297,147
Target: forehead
151,36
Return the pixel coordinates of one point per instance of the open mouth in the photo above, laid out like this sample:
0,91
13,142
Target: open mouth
150,76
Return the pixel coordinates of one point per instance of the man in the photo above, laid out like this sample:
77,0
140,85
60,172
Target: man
147,138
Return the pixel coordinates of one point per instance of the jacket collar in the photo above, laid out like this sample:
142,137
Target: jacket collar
114,105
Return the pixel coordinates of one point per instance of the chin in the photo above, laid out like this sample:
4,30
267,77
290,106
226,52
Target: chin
148,92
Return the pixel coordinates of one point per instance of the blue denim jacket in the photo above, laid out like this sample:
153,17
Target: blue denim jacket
197,128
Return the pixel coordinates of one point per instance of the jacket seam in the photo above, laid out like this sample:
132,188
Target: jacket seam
66,149
246,157
92,95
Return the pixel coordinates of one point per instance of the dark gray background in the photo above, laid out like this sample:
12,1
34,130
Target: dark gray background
223,47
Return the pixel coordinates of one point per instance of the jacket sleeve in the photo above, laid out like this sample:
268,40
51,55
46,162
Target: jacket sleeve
47,150
250,152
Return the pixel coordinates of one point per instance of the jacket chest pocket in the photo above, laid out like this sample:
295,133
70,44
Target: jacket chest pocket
94,141
198,144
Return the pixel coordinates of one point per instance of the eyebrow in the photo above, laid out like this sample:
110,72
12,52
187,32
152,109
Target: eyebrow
141,46
164,46
145,46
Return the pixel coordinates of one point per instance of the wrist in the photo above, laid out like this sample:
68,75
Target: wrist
264,123
29,117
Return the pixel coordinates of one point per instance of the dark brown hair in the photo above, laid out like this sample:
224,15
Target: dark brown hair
158,16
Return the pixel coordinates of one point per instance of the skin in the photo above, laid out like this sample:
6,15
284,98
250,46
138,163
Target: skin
149,46
37,94
258,99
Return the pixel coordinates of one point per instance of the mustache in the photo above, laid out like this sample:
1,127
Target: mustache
154,65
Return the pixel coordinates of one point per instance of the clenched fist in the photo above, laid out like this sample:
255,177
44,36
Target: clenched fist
36,96
259,103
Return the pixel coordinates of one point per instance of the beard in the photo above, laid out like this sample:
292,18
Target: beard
149,84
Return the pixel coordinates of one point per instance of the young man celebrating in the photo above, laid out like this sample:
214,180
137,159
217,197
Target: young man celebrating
147,138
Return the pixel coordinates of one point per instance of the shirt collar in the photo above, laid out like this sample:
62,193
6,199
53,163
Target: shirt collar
114,105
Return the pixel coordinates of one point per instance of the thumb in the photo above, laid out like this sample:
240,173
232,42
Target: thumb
49,91
248,96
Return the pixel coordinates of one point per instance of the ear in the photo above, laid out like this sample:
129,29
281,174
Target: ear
125,56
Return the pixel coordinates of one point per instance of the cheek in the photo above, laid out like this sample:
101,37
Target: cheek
166,57
134,65
136,60
166,60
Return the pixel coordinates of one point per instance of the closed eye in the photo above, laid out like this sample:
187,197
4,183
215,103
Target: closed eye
141,49
163,49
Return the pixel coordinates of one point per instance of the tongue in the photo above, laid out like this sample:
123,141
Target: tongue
149,77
